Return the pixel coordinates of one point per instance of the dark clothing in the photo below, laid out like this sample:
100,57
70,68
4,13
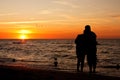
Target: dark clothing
79,45
91,49
86,45
79,41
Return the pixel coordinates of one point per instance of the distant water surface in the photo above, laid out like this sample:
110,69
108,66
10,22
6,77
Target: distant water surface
42,52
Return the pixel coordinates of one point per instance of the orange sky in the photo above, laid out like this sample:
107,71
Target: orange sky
58,19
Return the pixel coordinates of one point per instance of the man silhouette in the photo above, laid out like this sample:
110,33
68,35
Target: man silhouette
90,48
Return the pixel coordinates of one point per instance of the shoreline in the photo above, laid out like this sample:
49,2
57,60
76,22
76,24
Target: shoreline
22,72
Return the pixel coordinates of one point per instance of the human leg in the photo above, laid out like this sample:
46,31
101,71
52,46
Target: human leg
89,61
94,63
78,64
82,62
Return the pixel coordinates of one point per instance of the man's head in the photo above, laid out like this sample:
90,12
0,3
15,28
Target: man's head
87,28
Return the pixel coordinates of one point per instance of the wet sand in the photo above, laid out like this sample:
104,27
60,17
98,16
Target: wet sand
26,73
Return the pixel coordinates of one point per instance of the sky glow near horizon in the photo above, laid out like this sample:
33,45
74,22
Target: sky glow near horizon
59,18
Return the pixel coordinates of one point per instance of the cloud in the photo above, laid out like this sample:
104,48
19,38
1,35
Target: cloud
23,22
66,3
8,14
33,22
45,12
67,17
115,16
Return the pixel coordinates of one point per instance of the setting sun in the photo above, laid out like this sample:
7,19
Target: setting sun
23,36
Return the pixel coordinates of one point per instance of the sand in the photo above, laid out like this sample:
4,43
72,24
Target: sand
26,73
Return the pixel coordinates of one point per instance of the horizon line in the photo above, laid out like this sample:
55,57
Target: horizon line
48,38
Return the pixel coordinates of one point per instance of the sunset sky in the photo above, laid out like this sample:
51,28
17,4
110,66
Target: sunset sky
58,19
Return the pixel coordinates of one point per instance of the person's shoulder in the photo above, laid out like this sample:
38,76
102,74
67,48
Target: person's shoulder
93,32
80,34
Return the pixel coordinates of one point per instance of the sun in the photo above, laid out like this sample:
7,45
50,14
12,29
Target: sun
24,34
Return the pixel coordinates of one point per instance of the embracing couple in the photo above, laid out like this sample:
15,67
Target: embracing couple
86,45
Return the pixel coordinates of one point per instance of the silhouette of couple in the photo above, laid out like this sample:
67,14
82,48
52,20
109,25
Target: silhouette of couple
86,45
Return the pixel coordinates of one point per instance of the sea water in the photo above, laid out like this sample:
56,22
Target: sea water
41,52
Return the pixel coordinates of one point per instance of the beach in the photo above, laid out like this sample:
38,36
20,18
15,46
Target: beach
21,72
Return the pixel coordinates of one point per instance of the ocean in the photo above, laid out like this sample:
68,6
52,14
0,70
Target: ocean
41,52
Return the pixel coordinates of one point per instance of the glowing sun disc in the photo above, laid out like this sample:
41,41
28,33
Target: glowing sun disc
23,36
